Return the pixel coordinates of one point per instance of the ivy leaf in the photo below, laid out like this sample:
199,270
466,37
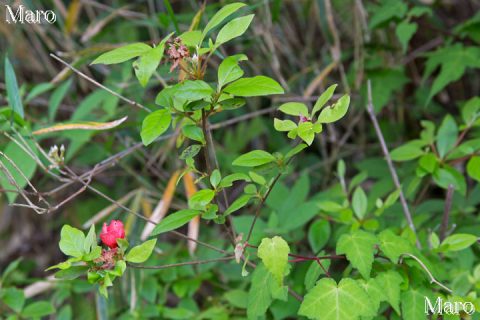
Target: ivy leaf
374,292
473,168
393,246
336,111
229,69
359,248
175,220
359,202
405,31
294,109
329,301
263,291
390,283
71,241
274,254
123,54
413,303
154,125
254,158
221,15
255,86
327,95
233,29
453,61
11,84
141,253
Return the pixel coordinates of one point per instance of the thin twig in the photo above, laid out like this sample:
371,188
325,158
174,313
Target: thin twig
393,172
446,212
83,75
180,264
424,267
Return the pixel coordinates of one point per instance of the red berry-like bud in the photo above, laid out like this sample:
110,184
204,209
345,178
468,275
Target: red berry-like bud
110,233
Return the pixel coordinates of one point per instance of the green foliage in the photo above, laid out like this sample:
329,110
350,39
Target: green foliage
274,254
359,247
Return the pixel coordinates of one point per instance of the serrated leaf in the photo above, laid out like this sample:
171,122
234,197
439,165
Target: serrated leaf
359,247
175,221
141,253
413,304
262,292
253,159
374,292
405,31
274,254
123,53
336,111
390,282
393,246
154,125
329,301
255,86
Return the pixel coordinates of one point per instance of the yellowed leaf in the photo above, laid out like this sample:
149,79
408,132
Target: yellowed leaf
81,126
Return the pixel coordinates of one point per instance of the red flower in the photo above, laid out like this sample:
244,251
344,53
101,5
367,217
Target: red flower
110,233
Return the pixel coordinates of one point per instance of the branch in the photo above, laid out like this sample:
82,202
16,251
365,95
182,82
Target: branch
424,267
446,212
393,172
83,75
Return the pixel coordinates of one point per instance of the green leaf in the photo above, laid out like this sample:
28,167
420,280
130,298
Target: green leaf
471,111
215,178
233,29
405,31
413,303
237,298
393,246
154,125
71,273
256,86
38,309
147,63
447,135
294,109
193,90
14,298
201,198
274,254
315,271
238,204
453,61
457,242
336,111
194,133
123,53
318,234
221,15
306,132
473,168
406,152
23,162
283,125
190,151
428,162
329,301
90,240
295,150
359,247
359,202
263,291
230,179
254,158
390,283
192,38
56,98
375,294
175,220
11,85
141,253
229,70
72,241
327,95
388,10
